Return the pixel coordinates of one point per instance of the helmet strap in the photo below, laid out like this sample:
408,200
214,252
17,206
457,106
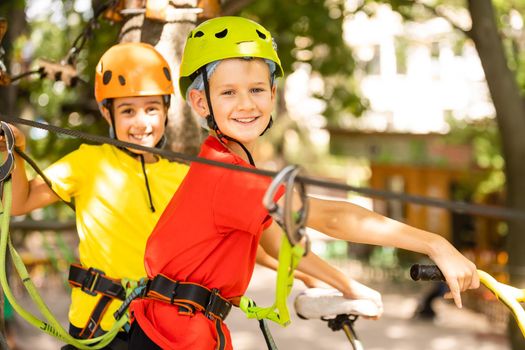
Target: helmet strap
162,142
212,124
270,123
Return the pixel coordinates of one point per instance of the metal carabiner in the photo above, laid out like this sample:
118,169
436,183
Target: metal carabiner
293,222
7,167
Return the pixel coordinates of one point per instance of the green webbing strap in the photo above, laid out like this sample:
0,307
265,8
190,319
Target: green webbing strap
289,258
52,326
290,253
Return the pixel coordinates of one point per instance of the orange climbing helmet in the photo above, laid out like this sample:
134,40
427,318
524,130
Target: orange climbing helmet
132,69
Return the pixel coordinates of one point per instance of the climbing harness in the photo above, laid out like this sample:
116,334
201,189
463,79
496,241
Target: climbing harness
189,296
94,282
290,253
51,325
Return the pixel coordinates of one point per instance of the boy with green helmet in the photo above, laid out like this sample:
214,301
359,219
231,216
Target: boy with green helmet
206,240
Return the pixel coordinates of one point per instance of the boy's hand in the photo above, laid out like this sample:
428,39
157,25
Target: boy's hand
460,273
20,139
357,290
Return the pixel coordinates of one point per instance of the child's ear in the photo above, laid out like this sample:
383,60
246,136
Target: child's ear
105,113
274,91
197,100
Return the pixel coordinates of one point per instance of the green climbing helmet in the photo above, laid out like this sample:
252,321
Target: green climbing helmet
225,37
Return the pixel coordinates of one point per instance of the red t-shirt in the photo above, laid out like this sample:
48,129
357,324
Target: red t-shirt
208,234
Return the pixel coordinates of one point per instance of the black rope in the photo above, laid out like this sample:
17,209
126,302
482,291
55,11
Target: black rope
151,206
87,32
25,74
459,207
42,175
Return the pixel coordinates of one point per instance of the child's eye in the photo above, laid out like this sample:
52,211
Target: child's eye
152,110
257,90
227,92
126,111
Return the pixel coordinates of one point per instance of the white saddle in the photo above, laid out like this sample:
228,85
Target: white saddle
328,303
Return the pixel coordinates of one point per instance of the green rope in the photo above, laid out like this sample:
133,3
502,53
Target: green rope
289,257
52,326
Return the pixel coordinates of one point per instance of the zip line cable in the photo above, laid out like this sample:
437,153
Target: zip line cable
459,207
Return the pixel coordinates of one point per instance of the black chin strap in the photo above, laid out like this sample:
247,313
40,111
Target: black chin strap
142,163
210,119
160,144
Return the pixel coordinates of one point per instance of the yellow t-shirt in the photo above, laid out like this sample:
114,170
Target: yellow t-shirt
112,213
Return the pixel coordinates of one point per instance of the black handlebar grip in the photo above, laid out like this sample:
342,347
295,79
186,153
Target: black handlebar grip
426,273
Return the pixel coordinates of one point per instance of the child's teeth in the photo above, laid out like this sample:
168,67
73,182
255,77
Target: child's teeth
246,120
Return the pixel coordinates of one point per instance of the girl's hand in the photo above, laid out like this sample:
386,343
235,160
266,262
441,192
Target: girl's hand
460,273
357,290
20,139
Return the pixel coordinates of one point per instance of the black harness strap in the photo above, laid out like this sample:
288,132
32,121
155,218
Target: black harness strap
94,282
92,328
221,339
192,295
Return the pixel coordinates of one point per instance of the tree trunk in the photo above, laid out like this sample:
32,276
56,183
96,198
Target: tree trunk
16,26
15,16
510,114
168,38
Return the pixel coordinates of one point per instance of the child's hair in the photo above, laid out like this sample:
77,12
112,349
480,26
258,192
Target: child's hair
198,82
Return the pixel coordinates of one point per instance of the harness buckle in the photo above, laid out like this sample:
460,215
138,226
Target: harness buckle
7,167
90,281
217,307
174,291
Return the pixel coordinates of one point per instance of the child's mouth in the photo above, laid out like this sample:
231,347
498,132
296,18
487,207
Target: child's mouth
245,120
139,137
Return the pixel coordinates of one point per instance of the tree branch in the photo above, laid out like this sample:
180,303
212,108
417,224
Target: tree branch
436,12
233,7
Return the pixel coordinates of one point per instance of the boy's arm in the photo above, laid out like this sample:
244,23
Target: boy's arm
346,221
266,260
316,267
27,195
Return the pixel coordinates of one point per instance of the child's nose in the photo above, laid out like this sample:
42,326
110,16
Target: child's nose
142,118
245,101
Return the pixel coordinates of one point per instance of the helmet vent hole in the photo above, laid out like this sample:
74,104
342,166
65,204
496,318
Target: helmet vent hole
260,34
167,73
121,80
221,34
198,34
106,78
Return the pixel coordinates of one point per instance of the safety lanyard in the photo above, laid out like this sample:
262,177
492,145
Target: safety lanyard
52,326
290,252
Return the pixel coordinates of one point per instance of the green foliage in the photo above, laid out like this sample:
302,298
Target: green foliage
311,31
53,102
485,138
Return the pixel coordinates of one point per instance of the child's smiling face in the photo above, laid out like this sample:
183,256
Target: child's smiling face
139,120
242,98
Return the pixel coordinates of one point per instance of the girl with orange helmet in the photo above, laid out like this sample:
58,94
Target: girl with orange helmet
118,193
